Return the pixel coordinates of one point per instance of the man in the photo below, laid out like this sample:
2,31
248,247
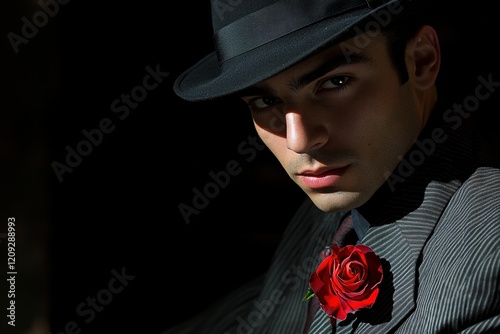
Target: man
345,95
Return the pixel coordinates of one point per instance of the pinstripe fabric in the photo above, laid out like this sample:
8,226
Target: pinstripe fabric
279,308
438,235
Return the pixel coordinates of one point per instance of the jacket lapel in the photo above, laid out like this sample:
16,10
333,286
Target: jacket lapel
408,236
397,287
406,222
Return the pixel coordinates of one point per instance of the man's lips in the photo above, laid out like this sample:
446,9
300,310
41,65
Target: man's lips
321,178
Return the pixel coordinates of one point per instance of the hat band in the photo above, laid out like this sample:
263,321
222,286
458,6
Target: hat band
275,21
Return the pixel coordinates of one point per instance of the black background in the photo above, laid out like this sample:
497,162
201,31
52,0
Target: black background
118,208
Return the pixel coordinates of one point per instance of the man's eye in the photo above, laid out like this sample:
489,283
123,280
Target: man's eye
263,102
335,82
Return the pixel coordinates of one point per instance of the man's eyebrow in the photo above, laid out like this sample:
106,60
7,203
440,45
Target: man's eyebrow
329,65
317,72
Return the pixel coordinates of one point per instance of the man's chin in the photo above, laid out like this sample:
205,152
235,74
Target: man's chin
337,201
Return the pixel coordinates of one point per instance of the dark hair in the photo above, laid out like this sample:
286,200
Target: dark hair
398,36
400,32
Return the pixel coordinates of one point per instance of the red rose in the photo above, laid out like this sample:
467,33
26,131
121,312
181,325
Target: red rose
347,280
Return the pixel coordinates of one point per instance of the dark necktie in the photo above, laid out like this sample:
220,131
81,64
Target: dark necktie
345,235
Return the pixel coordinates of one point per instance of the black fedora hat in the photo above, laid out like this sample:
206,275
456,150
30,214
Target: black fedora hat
256,39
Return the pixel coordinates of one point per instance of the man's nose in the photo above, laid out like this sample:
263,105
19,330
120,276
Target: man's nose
305,131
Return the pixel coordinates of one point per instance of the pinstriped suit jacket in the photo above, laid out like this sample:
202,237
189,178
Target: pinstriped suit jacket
437,232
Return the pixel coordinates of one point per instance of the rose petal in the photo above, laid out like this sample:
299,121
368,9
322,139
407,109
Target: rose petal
366,302
347,280
332,307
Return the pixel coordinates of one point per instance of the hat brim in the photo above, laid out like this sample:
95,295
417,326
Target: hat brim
206,80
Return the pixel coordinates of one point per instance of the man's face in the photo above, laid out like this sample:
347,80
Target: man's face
337,123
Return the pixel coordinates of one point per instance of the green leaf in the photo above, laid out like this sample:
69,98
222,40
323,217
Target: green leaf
309,294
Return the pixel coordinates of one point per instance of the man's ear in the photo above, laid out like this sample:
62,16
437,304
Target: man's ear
423,57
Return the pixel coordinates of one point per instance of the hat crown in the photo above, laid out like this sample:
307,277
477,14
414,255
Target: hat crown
225,12
252,24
